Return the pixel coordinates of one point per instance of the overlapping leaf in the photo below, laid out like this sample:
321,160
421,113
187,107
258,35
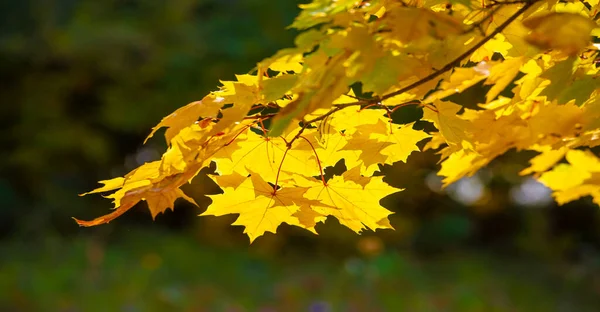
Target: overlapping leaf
273,132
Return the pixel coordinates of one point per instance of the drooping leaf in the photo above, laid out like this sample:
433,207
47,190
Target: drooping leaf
453,128
276,87
260,209
187,115
352,204
501,75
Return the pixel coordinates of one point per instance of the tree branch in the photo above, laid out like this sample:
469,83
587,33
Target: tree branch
463,56
495,3
435,74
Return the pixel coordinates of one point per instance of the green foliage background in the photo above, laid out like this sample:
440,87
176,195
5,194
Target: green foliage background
81,84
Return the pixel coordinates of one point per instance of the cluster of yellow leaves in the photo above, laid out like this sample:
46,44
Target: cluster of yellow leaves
272,133
302,202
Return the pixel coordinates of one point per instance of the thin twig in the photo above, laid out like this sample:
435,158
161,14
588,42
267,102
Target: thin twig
435,74
279,170
463,56
495,3
477,25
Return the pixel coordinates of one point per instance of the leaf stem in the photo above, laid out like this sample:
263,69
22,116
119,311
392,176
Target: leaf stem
279,170
413,102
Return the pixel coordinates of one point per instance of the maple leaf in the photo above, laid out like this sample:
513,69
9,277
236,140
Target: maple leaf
545,160
565,120
109,185
328,148
453,128
461,79
308,218
261,208
386,72
284,61
461,164
567,32
501,75
580,90
409,24
347,120
266,155
390,143
369,158
324,87
403,139
319,12
498,44
580,177
143,184
354,175
352,204
232,180
275,88
243,97
186,116
559,75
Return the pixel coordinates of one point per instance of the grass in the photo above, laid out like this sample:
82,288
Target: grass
149,271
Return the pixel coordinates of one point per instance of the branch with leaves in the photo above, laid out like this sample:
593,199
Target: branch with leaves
456,62
273,132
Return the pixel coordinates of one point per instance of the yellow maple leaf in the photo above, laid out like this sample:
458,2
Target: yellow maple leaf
460,80
109,185
186,116
389,143
583,159
544,161
159,200
576,192
352,204
243,98
580,177
261,208
323,85
144,183
266,155
370,158
501,75
284,63
564,176
409,24
568,32
232,180
348,119
565,120
461,164
404,141
327,147
455,130
354,174
498,44
308,218
275,88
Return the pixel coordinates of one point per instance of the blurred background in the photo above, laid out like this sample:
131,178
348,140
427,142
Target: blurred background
81,84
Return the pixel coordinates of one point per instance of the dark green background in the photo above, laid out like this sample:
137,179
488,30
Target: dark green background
81,84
